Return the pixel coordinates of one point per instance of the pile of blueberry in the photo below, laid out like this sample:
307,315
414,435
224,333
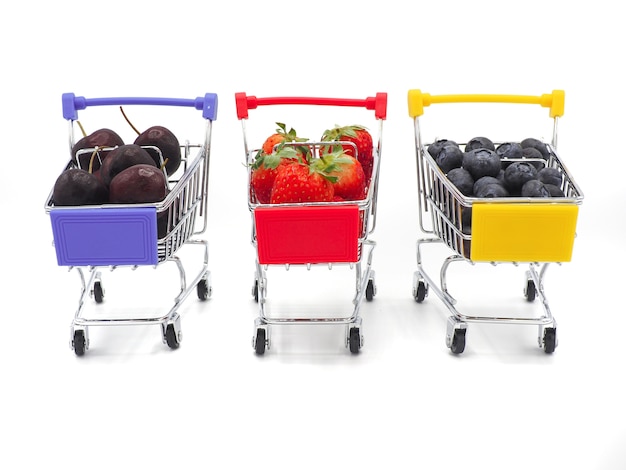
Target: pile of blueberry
511,169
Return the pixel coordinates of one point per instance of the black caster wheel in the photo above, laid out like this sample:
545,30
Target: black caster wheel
171,337
259,341
549,340
354,340
420,292
203,289
531,290
98,292
370,290
458,341
79,342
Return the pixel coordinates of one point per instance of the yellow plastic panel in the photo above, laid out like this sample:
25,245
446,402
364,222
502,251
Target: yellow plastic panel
519,232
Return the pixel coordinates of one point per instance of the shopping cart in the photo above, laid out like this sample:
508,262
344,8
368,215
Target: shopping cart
91,238
290,234
502,229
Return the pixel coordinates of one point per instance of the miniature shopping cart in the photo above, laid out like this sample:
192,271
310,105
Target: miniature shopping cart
290,234
92,238
502,230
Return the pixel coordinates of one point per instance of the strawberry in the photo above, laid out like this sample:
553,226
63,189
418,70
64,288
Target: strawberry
280,136
347,174
301,183
361,137
265,168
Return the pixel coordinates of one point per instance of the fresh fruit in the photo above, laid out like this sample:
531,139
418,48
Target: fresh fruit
360,137
265,168
509,151
534,156
347,173
101,138
549,175
518,173
479,143
166,142
121,158
491,190
482,162
534,188
449,157
485,180
555,191
437,145
140,183
77,187
537,144
282,135
462,179
299,182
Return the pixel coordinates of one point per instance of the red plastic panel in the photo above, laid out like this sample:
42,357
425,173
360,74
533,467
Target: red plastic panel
307,234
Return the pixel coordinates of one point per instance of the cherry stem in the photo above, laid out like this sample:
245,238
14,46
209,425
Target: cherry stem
128,121
93,156
82,129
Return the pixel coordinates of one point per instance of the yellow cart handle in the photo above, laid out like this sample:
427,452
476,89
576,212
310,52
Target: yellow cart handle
555,101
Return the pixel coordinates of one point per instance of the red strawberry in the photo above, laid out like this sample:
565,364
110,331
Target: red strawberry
361,137
301,183
347,174
282,135
265,168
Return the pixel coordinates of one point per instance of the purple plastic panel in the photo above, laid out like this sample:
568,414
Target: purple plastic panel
105,236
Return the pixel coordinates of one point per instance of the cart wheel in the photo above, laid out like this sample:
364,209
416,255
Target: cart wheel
355,340
458,341
530,291
204,291
370,290
259,341
171,338
420,292
98,292
549,340
79,342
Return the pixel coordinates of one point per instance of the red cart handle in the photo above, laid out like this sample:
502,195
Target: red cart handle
378,103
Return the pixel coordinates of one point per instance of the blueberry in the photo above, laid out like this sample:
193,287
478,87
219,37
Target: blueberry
449,157
535,156
555,191
535,188
531,142
485,180
479,143
492,190
462,179
509,151
518,173
482,162
549,175
436,146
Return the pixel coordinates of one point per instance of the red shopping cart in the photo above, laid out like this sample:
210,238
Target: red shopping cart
288,234
91,238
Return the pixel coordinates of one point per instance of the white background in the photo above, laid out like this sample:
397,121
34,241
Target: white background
405,401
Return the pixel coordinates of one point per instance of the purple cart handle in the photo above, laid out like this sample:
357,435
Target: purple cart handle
72,103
